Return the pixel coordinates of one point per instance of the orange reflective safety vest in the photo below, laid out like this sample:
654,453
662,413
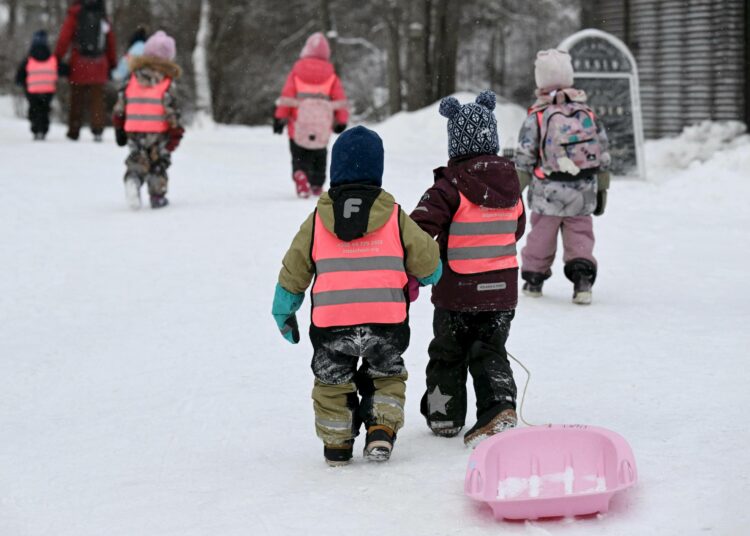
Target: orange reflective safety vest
359,282
41,76
144,107
483,239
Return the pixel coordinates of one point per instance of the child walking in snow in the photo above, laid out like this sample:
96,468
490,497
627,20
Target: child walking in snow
563,157
147,119
359,246
38,75
475,211
311,106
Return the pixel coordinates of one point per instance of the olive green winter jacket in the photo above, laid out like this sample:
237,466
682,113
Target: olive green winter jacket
422,254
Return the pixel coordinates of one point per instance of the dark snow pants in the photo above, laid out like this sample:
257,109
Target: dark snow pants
468,342
39,110
344,396
80,95
312,161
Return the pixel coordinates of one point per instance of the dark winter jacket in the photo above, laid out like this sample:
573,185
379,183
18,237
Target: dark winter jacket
84,70
486,180
39,52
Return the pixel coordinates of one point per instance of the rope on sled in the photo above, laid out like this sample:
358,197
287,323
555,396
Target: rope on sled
525,388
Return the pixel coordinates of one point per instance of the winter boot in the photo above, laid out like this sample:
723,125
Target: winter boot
444,429
159,201
39,136
73,135
301,184
339,455
316,190
582,272
133,193
379,443
490,425
533,282
582,290
98,137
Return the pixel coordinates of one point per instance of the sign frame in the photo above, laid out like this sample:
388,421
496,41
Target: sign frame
632,76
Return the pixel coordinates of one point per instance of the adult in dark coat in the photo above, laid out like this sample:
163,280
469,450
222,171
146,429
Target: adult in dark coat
89,71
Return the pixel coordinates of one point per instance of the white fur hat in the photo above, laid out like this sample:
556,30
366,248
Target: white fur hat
553,70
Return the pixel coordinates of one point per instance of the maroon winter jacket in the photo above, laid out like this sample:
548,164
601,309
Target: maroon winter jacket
83,70
486,180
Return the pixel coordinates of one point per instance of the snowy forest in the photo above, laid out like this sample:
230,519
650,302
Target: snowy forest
392,55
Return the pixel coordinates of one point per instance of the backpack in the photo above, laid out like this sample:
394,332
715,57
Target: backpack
314,122
568,141
90,33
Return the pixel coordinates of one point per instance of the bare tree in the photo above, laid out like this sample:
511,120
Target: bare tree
419,46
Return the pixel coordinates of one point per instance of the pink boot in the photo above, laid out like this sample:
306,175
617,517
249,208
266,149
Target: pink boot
301,184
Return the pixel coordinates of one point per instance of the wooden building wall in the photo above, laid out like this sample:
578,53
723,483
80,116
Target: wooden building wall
693,57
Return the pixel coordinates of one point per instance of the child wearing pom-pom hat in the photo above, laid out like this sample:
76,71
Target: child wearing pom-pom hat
475,211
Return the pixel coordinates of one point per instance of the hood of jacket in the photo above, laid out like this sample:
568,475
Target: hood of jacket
40,52
354,210
559,96
313,70
486,180
152,63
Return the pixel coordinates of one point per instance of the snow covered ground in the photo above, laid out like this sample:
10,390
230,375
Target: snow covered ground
144,389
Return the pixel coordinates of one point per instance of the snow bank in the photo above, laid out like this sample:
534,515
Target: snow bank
723,145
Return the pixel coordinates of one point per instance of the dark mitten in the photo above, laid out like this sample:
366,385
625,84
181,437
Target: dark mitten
290,331
278,125
118,121
338,128
601,202
175,135
121,137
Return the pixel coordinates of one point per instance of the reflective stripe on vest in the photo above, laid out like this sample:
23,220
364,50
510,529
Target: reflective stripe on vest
483,239
359,282
144,107
41,76
306,90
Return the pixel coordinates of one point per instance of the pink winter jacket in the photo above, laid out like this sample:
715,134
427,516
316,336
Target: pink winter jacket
311,71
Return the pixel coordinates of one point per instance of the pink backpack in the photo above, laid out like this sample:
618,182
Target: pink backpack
314,122
568,140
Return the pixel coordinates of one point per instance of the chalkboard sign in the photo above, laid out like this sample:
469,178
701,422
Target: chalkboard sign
606,70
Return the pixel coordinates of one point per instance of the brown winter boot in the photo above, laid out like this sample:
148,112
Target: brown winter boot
485,428
379,443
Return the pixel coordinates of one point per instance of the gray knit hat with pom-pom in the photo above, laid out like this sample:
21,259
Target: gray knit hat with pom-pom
472,128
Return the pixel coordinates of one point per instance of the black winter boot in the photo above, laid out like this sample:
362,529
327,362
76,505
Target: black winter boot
533,282
159,201
339,455
582,272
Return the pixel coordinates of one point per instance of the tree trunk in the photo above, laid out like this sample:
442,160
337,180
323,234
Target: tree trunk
394,64
418,59
446,47
329,29
12,17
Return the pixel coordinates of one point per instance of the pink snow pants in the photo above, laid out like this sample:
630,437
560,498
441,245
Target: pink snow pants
541,244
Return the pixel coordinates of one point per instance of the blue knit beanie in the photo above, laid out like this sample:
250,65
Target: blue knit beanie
357,158
39,39
472,128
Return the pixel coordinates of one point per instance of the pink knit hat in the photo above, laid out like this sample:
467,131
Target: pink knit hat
316,47
553,70
160,45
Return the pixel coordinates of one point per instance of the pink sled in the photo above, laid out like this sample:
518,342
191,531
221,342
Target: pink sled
550,471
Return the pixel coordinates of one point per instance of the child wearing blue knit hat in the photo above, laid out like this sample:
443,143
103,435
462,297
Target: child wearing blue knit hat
357,249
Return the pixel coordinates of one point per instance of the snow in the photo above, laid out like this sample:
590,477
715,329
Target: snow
144,388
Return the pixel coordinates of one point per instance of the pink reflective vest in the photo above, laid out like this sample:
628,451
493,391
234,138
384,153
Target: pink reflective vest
359,282
483,239
41,76
144,107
